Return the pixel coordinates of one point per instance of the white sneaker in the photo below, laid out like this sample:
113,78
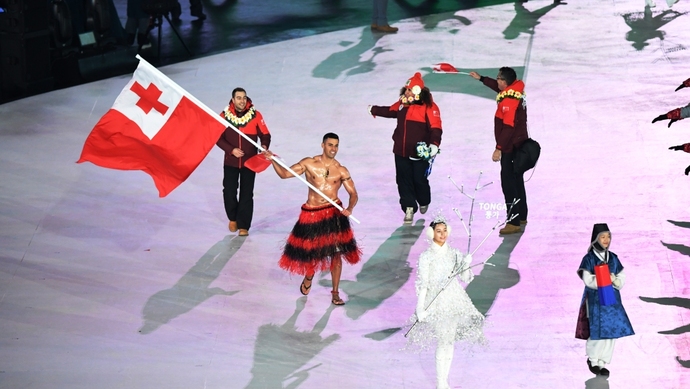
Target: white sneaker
409,215
423,209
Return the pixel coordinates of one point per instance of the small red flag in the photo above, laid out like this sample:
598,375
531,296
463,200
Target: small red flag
257,163
444,68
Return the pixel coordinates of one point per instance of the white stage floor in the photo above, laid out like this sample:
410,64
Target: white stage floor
105,285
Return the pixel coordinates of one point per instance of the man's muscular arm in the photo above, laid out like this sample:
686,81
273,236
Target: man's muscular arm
350,188
283,173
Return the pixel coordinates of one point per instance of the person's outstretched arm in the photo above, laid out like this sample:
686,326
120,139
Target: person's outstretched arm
283,173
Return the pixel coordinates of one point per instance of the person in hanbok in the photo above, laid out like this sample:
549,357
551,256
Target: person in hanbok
451,317
601,322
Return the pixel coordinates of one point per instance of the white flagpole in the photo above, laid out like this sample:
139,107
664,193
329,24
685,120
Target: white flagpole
442,72
225,123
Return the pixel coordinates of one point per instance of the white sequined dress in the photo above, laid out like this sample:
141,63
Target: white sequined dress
452,317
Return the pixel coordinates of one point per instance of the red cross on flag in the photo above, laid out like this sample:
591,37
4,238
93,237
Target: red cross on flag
155,126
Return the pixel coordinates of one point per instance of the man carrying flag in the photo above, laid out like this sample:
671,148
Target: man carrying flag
155,126
322,236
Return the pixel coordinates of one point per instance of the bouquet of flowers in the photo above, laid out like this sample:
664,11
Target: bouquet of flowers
424,152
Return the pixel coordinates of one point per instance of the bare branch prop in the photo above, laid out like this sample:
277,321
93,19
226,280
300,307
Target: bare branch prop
498,224
477,187
457,212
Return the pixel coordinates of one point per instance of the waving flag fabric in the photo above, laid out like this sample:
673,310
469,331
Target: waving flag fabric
257,163
154,126
444,68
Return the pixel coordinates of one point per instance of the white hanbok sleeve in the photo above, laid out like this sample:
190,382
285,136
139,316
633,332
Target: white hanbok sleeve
589,279
618,280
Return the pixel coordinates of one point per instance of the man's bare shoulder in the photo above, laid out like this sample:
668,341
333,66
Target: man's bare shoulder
344,173
308,161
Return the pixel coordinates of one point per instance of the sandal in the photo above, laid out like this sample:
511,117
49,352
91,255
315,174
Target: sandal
336,300
303,288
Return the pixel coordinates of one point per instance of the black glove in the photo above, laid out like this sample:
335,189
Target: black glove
687,170
660,117
671,122
677,148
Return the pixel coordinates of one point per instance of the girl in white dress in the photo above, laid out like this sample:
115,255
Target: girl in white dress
452,316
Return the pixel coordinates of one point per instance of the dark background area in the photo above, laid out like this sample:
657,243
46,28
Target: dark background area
51,44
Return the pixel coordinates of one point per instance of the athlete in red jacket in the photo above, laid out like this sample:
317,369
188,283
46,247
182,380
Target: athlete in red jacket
510,131
241,113
418,121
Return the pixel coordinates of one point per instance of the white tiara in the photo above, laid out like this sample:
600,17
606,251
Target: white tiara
439,218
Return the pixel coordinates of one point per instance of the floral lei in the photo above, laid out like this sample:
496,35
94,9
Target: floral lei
239,121
513,94
409,100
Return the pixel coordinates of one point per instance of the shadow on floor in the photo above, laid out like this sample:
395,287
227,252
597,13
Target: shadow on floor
679,224
680,248
673,301
430,22
644,26
280,351
597,382
484,289
678,302
193,288
525,20
349,62
384,273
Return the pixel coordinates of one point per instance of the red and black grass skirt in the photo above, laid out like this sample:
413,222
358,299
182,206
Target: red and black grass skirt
320,234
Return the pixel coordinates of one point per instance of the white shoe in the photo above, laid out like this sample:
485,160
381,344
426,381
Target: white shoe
423,209
409,215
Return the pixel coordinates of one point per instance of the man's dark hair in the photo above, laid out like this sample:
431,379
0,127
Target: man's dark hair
330,135
424,96
508,74
238,90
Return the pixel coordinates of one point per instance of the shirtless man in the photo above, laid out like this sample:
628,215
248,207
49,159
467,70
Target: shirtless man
322,236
